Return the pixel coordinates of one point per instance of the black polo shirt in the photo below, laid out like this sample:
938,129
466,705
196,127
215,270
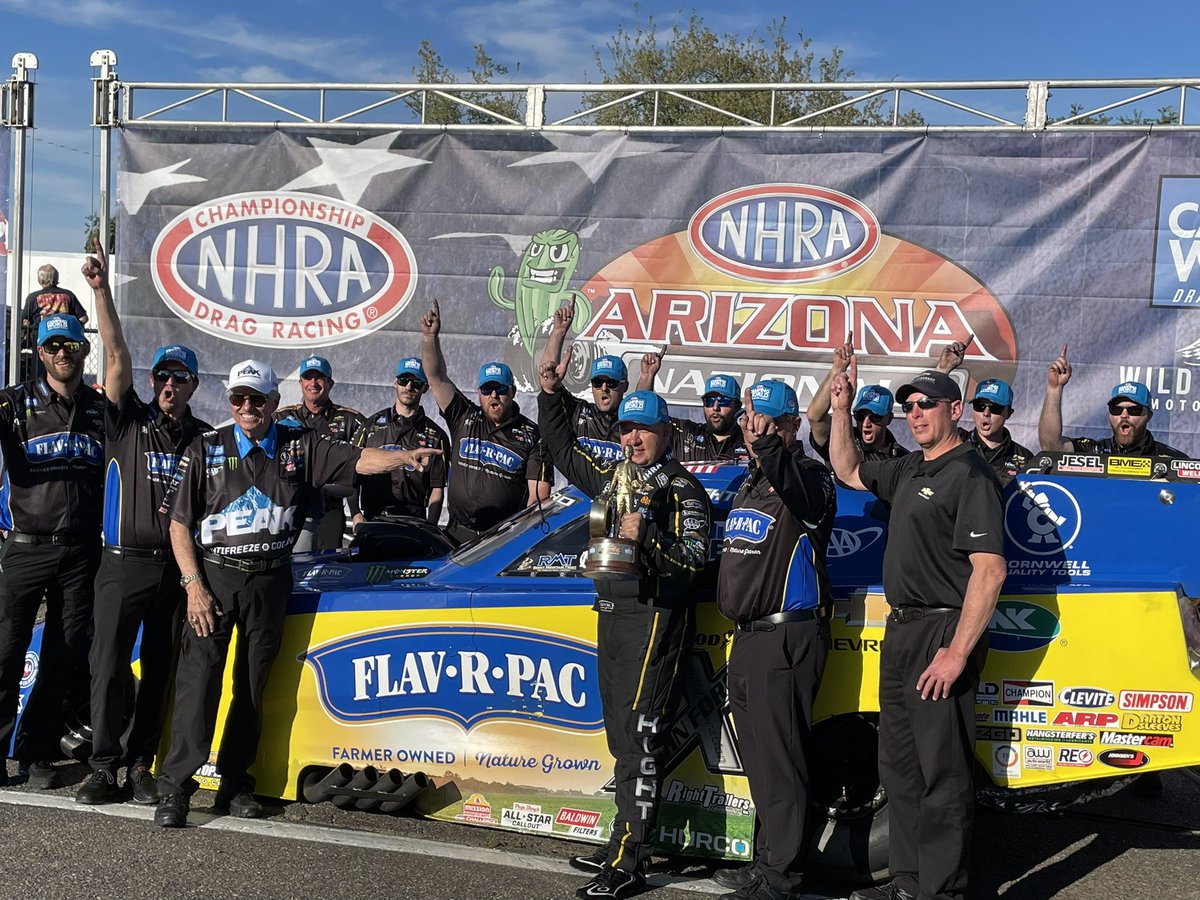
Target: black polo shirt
53,455
142,448
1147,446
888,448
943,510
693,441
241,498
403,491
338,423
491,464
597,431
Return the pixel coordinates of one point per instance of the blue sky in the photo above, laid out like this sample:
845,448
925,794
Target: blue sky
352,40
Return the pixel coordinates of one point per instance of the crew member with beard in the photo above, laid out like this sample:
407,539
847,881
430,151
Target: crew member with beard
717,437
404,426
497,463
52,439
1129,416
872,411
644,623
138,582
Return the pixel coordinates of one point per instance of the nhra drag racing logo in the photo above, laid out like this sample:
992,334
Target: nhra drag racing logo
786,233
465,674
30,673
273,268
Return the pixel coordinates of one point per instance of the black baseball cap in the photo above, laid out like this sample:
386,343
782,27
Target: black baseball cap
933,384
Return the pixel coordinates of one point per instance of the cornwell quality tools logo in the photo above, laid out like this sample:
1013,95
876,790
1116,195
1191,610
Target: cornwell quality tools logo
466,674
279,269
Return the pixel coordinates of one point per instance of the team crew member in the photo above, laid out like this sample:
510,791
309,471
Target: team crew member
644,624
872,412
233,523
52,438
943,568
498,465
51,299
991,408
138,582
404,426
1129,416
773,585
326,521
717,437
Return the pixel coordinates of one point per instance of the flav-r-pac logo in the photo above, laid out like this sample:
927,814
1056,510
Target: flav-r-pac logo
1177,244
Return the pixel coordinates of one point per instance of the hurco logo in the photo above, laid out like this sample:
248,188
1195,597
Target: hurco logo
465,674
786,233
1018,626
283,269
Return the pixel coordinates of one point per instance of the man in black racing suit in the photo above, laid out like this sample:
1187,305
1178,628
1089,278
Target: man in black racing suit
644,623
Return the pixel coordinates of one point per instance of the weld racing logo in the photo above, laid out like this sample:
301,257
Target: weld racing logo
273,268
465,674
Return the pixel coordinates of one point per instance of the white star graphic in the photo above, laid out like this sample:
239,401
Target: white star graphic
517,242
581,151
350,167
134,187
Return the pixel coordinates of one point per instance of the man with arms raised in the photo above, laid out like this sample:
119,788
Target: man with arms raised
716,437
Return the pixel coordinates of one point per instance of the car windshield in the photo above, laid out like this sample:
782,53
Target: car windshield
530,517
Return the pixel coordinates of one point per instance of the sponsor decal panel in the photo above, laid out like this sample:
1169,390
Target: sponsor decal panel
1020,716
1042,519
1156,701
1124,759
1086,719
1038,759
1136,739
579,822
687,839
1059,736
477,809
1160,722
1186,468
1076,757
1028,693
1006,761
1086,697
1018,626
1135,466
527,816
1009,735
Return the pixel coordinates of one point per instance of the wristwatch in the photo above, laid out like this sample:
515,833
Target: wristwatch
188,579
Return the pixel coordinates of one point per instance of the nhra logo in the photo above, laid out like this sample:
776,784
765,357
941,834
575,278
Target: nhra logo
466,674
748,525
785,233
844,542
1042,518
489,454
1018,626
273,268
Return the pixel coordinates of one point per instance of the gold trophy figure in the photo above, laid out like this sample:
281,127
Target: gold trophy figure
608,555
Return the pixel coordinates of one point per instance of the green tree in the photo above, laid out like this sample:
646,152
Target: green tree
1167,115
91,227
446,109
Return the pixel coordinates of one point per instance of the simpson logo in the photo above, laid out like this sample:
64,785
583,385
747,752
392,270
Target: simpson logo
1078,757
747,525
1124,759
1029,693
1136,466
488,454
1152,722
785,233
274,268
1042,518
464,674
30,673
1086,697
1017,626
1155,701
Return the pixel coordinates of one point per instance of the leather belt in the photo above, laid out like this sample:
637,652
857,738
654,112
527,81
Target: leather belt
243,564
902,615
161,554
49,540
769,623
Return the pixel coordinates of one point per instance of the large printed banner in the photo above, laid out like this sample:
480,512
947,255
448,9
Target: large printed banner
5,206
754,255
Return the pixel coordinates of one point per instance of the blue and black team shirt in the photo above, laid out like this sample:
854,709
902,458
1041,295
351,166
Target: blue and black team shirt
241,498
597,431
402,492
777,535
142,448
693,441
53,453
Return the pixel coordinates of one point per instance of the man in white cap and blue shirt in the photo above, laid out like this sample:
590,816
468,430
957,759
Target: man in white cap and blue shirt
236,506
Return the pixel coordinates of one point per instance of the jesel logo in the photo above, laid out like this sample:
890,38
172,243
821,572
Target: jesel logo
465,674
1018,626
283,269
783,232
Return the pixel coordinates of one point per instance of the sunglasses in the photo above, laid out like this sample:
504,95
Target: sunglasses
717,400
923,403
409,381
492,387
1133,409
162,376
53,346
599,383
862,415
986,405
258,401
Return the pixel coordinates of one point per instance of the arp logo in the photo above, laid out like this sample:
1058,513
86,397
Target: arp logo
281,269
785,233
844,542
1018,626
1042,518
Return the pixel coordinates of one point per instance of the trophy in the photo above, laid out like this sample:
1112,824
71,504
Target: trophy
610,556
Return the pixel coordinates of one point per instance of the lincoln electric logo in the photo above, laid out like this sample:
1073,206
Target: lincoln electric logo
748,525
283,269
466,674
786,233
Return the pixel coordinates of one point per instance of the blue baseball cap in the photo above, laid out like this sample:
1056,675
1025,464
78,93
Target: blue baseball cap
643,408
995,390
609,367
723,386
1132,390
874,398
59,325
496,372
411,366
176,353
317,364
774,399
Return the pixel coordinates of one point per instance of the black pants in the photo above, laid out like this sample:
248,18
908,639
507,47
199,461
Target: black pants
64,575
132,592
773,681
256,604
638,648
926,759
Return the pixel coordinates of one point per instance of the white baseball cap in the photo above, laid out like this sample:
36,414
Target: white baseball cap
254,375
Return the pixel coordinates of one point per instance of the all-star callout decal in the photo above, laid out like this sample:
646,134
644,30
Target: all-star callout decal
280,269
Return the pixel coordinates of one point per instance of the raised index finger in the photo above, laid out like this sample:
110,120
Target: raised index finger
747,402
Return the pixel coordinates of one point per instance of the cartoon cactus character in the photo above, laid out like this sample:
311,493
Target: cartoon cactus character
546,268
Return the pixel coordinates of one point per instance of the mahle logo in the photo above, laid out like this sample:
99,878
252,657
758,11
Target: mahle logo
1018,626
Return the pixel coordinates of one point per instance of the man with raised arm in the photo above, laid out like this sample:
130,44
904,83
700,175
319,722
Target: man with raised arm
716,437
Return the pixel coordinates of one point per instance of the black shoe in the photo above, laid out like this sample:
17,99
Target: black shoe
1148,786
145,789
40,775
592,862
97,789
888,891
172,811
241,805
757,888
734,879
613,883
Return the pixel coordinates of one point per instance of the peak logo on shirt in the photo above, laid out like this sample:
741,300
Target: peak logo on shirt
748,525
252,513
